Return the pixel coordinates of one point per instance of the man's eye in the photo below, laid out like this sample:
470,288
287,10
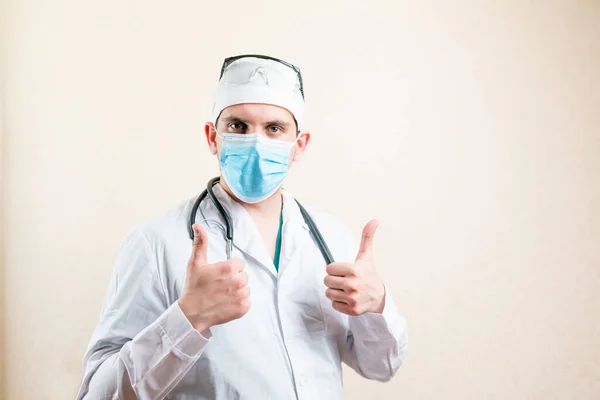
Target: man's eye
236,126
274,129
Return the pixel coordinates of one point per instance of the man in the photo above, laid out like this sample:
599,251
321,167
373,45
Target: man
263,316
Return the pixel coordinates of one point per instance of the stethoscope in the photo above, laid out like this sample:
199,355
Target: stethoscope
314,231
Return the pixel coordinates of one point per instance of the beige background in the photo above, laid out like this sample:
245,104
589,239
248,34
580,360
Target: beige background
2,127
471,129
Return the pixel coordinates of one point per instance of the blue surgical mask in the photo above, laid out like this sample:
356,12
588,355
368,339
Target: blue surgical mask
253,165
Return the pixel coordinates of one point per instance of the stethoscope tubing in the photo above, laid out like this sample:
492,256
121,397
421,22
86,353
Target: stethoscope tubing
314,231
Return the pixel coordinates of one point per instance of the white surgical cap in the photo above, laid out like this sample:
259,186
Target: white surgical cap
257,80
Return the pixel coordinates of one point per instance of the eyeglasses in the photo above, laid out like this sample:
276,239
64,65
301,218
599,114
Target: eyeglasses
229,60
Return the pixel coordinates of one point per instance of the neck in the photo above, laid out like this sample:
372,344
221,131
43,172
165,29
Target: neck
268,208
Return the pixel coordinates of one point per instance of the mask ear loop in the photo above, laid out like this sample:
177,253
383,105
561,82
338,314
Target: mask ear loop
217,132
300,133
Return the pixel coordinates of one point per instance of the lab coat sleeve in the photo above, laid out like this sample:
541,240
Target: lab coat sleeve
376,343
142,346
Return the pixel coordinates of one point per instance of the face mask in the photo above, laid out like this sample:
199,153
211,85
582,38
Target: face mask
253,165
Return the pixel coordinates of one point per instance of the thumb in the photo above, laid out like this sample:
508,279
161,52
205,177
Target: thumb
366,242
200,245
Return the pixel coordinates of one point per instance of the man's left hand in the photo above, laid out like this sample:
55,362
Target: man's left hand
355,288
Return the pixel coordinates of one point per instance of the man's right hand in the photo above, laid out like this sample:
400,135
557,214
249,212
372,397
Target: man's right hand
213,293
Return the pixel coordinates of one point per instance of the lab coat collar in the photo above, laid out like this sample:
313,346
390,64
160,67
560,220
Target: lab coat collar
247,238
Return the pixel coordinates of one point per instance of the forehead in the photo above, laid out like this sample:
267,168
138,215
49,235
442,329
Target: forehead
257,113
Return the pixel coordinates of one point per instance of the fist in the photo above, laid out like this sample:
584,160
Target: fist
213,293
354,288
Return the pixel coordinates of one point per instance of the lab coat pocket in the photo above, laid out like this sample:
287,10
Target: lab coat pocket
312,320
312,312
300,306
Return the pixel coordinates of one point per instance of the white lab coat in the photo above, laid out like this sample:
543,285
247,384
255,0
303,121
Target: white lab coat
290,344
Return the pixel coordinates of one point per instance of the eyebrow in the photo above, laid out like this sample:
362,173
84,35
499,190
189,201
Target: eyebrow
278,122
235,119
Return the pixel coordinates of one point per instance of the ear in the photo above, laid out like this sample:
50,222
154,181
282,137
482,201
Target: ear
211,137
301,145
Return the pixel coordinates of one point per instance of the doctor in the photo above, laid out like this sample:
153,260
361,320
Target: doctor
183,320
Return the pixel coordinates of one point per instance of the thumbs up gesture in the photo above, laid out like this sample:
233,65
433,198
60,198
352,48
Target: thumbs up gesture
213,293
355,288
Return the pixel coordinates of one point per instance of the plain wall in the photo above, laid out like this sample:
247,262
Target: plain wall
470,129
2,121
